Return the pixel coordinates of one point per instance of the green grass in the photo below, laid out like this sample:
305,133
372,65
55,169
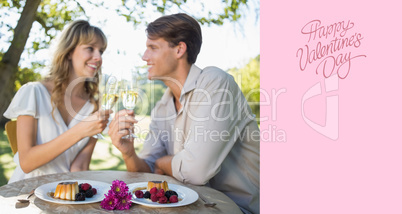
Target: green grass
7,164
105,156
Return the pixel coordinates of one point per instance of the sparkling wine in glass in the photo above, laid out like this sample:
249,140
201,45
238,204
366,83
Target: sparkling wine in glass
129,96
109,95
109,100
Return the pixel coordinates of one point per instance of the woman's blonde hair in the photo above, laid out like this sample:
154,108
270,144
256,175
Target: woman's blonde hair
78,32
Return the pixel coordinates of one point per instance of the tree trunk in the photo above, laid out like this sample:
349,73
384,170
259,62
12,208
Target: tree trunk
9,63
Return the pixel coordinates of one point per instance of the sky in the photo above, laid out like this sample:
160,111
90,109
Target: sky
227,46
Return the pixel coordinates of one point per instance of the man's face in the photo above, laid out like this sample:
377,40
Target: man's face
161,58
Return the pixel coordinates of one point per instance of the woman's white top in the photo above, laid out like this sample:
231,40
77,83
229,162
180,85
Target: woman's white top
33,99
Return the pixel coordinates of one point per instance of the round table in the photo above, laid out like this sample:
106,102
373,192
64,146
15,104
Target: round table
11,192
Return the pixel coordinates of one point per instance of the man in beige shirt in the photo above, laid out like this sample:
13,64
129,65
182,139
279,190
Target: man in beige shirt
202,130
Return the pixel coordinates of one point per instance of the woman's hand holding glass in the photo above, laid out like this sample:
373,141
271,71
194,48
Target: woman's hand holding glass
94,123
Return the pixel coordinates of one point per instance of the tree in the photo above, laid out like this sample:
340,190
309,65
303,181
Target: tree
52,15
9,62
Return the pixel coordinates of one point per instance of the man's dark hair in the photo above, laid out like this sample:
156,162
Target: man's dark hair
178,28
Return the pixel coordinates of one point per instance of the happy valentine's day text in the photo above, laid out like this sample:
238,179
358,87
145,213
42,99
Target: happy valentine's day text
330,46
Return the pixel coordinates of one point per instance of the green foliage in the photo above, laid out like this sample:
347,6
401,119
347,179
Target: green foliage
150,93
10,3
25,75
53,15
7,164
153,92
248,79
134,10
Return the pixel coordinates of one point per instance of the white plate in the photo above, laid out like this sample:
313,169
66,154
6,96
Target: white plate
43,191
187,195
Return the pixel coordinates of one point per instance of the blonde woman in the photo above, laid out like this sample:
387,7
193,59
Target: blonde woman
57,116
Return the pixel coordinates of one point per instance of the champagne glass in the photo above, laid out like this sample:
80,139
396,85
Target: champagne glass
129,96
109,95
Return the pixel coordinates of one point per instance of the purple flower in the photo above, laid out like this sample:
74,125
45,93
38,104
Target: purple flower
118,197
125,202
118,188
109,202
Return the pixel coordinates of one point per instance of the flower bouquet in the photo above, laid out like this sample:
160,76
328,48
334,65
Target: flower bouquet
118,197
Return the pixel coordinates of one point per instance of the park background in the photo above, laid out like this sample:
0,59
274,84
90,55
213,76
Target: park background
231,40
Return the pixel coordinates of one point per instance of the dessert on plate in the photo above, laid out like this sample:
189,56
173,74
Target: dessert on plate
73,192
158,191
158,184
66,190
